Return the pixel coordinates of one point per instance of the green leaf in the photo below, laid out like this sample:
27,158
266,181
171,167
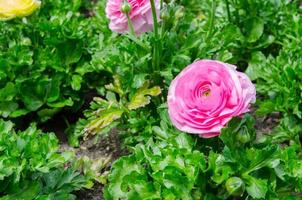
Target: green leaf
19,112
70,52
28,193
31,101
230,135
121,169
53,90
265,108
46,114
8,92
61,104
7,108
261,157
139,80
256,188
76,82
254,28
254,69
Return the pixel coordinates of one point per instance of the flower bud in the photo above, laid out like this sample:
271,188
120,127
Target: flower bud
26,41
235,186
179,13
243,135
126,7
242,12
164,14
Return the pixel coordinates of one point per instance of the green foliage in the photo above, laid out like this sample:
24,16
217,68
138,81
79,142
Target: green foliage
166,167
252,34
31,166
278,78
52,60
171,165
45,59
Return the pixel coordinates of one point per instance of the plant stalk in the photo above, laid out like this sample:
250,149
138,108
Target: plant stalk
228,10
130,25
157,39
212,18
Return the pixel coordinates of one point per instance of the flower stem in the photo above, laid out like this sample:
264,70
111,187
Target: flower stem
163,27
154,14
228,9
212,18
130,26
157,39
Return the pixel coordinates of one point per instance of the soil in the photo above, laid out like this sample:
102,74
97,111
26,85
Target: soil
264,125
110,147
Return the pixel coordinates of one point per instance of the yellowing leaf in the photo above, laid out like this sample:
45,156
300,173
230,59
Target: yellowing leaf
142,97
115,86
17,8
104,118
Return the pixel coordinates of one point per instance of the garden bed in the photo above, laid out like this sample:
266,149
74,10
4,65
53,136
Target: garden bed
150,99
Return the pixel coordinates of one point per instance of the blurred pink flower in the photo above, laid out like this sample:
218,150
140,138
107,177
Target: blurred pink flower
140,15
205,96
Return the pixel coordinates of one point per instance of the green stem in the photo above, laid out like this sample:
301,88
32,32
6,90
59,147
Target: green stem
287,191
154,14
163,27
132,36
66,121
228,9
212,18
157,39
161,4
130,26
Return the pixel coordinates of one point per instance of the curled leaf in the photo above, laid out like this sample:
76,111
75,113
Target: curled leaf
115,86
104,118
142,97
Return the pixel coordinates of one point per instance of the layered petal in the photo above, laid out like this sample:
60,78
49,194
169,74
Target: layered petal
17,8
140,15
205,96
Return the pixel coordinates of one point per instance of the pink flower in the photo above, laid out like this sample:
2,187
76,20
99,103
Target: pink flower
140,15
205,96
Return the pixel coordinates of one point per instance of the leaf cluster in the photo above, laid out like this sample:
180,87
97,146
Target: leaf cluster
45,59
31,166
171,165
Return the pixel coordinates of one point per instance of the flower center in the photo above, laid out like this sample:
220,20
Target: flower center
206,93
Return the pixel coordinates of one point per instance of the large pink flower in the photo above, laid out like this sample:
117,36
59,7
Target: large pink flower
205,96
140,15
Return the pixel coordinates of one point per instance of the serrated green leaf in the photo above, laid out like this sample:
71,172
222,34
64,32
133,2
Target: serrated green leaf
76,81
27,193
255,28
256,188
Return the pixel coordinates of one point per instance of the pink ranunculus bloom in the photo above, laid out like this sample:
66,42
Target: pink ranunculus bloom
140,15
205,96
